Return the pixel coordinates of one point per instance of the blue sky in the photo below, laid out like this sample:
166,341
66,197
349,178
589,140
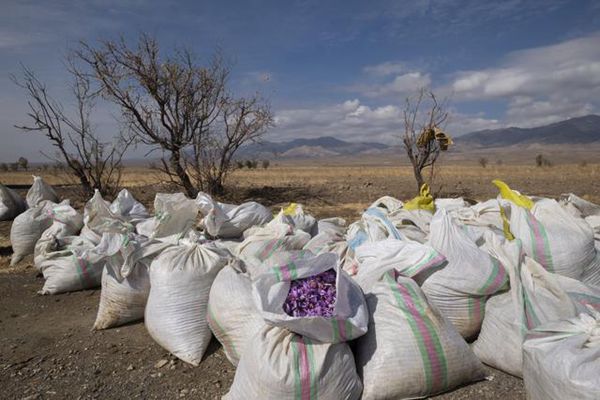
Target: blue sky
340,68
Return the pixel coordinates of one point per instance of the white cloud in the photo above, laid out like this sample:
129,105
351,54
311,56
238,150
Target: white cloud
541,85
385,69
354,121
400,86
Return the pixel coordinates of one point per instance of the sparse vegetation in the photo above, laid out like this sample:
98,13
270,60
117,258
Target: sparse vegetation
483,162
542,161
95,164
423,137
3,167
187,111
23,163
265,164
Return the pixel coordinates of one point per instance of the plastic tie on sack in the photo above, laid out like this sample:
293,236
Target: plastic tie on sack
291,209
511,195
424,201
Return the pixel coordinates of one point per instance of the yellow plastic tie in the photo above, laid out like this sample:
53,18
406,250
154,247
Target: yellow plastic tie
424,201
290,210
508,194
506,225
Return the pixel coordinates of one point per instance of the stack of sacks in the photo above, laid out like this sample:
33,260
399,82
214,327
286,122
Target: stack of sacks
27,228
461,288
553,237
40,191
125,278
561,359
536,297
229,220
180,281
174,216
302,353
11,204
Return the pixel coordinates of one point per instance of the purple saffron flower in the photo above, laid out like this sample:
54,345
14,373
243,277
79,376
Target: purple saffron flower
312,297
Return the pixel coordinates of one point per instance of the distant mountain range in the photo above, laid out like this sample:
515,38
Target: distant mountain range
581,130
574,131
325,146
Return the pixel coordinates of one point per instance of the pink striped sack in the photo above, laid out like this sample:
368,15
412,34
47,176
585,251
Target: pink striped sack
410,350
462,287
72,267
536,297
280,364
232,316
560,242
270,290
410,259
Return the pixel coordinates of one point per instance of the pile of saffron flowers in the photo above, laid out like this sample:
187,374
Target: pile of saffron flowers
312,297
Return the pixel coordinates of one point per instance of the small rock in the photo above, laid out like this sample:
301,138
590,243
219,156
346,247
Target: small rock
161,363
130,368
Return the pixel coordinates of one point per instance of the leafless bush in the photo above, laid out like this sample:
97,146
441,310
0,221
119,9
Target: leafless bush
483,162
423,137
179,108
95,164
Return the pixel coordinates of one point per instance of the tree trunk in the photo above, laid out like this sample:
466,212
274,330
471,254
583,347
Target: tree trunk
418,178
215,187
181,173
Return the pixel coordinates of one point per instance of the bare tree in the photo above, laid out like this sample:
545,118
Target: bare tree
96,164
178,107
423,137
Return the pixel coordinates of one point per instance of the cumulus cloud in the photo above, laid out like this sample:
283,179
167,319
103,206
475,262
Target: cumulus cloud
541,85
400,86
355,121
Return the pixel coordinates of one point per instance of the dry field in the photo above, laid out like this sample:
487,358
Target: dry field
47,348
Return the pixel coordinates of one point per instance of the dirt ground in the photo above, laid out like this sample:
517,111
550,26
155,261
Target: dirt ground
47,348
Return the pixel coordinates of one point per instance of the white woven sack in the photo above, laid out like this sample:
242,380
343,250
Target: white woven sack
536,297
553,237
40,191
71,268
180,281
229,220
410,350
125,278
329,238
66,222
27,228
561,359
350,316
294,215
279,364
11,204
232,316
461,288
409,259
